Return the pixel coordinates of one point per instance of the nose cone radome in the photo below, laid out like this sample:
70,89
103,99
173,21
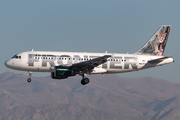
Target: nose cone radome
7,64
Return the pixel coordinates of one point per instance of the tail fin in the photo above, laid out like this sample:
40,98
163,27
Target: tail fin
157,43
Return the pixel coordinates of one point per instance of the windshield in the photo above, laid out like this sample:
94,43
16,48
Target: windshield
16,57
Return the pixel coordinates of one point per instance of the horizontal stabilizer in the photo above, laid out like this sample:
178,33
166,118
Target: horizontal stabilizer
158,60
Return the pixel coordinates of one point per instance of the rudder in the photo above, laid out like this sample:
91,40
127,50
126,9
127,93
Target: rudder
157,43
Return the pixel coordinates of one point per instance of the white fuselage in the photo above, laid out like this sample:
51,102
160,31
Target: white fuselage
42,61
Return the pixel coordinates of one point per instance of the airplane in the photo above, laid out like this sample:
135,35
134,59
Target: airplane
62,65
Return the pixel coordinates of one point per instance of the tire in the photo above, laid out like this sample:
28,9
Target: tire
85,81
29,80
82,82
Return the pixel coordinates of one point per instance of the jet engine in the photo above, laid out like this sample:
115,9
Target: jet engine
62,72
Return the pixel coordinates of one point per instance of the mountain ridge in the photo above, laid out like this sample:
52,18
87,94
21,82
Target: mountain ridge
107,97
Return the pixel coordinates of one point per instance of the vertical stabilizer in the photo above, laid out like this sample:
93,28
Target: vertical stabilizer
157,43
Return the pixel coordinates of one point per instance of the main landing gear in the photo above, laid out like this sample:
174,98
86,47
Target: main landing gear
85,80
29,79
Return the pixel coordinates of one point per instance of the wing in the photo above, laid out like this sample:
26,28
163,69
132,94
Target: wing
90,64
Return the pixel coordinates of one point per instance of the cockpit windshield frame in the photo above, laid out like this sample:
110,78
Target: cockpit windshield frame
16,57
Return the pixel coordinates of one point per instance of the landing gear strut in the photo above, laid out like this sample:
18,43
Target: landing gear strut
29,79
85,80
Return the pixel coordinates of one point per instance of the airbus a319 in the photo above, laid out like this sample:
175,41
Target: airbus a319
62,65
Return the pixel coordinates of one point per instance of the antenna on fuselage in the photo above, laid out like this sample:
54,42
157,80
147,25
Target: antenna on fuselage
113,54
32,50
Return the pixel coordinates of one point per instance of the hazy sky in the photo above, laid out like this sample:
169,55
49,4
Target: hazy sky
116,26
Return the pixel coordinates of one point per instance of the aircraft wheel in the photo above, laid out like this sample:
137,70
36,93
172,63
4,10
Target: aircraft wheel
29,80
82,82
85,81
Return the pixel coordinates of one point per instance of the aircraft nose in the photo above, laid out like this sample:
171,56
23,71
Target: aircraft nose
7,64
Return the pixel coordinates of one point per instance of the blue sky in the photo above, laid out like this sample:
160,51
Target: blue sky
89,26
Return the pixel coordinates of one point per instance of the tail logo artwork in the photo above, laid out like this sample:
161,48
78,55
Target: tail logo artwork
156,44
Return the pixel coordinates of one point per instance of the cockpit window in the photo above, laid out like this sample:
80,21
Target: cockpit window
16,57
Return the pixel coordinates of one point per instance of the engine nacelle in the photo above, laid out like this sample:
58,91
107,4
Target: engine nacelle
62,72
59,77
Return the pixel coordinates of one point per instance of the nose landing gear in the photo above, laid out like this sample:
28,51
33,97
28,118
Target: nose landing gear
29,79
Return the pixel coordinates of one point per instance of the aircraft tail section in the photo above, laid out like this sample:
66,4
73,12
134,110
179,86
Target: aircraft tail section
157,43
